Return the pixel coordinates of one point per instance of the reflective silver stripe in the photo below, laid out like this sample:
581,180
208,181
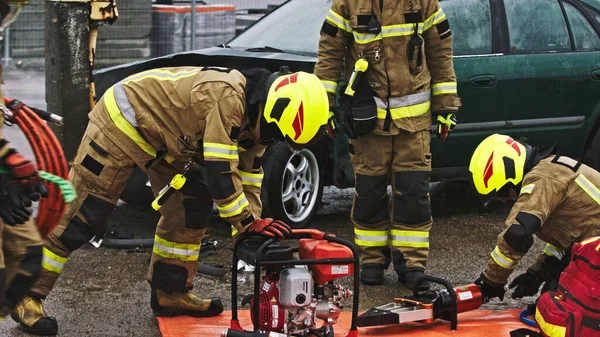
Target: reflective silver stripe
552,250
366,37
213,149
161,74
502,260
588,187
176,251
371,238
339,21
408,100
429,22
235,208
48,260
395,30
251,180
124,105
329,86
409,238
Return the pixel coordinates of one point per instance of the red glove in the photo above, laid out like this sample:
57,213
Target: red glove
23,171
270,228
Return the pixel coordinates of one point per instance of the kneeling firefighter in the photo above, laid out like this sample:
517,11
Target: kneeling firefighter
404,50
20,242
555,198
216,121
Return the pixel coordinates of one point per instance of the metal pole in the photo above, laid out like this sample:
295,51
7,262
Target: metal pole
7,47
193,26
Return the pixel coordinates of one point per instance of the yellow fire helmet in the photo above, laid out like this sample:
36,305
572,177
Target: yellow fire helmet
298,104
498,160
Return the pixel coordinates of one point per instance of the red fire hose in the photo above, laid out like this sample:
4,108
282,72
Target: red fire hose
49,157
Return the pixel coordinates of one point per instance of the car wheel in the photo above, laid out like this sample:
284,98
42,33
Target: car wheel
293,185
592,156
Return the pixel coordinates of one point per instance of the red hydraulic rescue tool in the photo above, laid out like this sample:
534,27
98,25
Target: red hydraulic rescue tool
427,306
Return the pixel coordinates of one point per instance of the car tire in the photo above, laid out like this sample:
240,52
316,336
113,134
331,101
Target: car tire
292,185
592,155
136,192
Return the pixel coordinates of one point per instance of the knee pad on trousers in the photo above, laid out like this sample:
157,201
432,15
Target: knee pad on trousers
197,212
196,184
96,211
169,277
29,271
411,200
370,204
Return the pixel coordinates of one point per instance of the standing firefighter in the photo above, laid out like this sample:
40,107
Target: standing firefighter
163,120
20,242
408,75
557,199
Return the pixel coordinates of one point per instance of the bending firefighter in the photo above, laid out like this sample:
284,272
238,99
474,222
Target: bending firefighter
210,124
398,62
20,242
557,199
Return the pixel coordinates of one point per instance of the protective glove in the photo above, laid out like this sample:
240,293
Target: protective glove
270,228
331,127
445,124
526,284
15,202
490,289
25,174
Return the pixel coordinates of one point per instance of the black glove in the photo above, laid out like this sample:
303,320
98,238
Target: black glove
15,202
527,284
490,289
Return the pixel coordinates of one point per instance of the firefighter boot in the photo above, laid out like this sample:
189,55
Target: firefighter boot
371,274
176,304
30,314
410,279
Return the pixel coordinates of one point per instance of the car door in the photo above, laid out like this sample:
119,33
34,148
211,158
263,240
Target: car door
479,83
551,67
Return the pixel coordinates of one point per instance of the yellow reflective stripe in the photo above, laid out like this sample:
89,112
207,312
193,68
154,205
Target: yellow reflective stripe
330,86
503,260
123,124
527,189
234,230
444,88
434,19
173,250
363,38
549,329
53,262
416,239
405,111
218,150
338,21
233,208
552,250
369,238
588,187
161,75
252,179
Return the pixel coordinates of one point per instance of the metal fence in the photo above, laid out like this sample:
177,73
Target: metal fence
144,29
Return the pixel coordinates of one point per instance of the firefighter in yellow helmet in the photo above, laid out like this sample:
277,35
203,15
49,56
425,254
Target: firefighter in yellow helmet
409,79
555,198
218,121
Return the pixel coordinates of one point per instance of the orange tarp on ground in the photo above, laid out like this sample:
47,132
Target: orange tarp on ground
479,323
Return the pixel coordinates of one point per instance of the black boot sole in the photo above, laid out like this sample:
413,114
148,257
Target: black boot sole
39,332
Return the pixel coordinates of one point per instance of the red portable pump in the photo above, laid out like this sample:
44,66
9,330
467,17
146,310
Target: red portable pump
294,294
428,306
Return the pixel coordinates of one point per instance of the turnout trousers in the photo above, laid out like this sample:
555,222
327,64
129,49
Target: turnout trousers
99,174
404,222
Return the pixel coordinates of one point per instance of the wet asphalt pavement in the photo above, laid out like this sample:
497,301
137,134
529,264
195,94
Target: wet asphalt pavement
103,292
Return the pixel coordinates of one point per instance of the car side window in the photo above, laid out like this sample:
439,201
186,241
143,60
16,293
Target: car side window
470,21
536,26
583,33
